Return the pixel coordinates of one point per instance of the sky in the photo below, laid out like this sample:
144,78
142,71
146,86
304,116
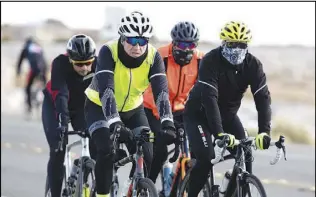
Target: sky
279,23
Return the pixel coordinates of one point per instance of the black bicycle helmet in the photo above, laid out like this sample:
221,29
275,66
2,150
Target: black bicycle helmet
185,31
81,48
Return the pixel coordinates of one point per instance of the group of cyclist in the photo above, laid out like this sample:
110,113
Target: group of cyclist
132,84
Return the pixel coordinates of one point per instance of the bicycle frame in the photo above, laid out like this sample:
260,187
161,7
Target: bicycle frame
139,169
239,169
182,162
138,157
84,142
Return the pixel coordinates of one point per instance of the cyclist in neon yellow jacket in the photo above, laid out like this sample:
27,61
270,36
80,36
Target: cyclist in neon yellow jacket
125,69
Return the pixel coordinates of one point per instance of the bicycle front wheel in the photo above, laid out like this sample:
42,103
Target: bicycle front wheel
246,190
184,187
146,188
86,179
115,186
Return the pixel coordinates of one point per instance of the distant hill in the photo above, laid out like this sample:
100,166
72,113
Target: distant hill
50,30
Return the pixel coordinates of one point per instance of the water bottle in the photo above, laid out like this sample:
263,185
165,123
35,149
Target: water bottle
127,184
167,175
225,181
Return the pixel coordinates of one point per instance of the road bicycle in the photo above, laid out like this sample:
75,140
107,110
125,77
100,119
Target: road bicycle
184,163
79,177
240,179
140,185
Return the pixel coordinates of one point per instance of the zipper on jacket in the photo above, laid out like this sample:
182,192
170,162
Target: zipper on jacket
129,88
183,83
177,89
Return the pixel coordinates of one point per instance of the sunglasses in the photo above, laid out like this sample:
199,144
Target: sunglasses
185,45
141,41
82,63
240,45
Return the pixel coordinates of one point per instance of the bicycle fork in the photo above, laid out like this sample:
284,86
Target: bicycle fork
236,181
82,163
139,173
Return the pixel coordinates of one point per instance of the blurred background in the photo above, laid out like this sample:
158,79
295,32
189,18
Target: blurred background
283,39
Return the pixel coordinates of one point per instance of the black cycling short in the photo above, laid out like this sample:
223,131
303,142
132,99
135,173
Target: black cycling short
134,119
199,134
196,127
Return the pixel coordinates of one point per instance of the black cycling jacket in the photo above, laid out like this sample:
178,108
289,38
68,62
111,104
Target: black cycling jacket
221,86
66,87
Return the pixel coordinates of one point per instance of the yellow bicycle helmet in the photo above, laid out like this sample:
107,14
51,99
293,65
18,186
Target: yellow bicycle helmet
234,31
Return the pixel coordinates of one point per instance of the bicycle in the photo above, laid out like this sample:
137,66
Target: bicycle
183,164
76,183
140,185
238,185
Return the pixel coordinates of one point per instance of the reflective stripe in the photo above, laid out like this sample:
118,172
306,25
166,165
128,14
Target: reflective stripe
104,71
158,74
259,89
207,84
102,123
97,125
112,120
163,119
88,76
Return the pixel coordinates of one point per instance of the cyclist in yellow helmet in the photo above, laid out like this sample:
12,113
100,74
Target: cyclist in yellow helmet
224,75
115,97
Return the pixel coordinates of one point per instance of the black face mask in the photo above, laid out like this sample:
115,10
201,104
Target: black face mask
182,57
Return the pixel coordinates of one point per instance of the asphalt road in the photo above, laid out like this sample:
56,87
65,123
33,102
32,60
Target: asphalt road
24,154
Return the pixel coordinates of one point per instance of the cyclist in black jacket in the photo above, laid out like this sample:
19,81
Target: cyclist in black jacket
64,101
224,75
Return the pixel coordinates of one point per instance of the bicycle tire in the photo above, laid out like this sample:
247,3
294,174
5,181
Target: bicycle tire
85,169
251,179
92,188
206,190
146,183
174,189
114,188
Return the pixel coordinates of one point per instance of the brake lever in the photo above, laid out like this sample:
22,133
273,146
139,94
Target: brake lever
284,152
280,145
60,143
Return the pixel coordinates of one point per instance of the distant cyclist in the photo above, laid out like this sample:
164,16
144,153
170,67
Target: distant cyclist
125,69
64,101
224,75
181,59
33,52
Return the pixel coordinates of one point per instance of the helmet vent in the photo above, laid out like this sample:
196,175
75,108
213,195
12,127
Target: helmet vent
235,29
227,29
135,19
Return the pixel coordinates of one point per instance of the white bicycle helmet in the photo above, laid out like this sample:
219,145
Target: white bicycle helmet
136,25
